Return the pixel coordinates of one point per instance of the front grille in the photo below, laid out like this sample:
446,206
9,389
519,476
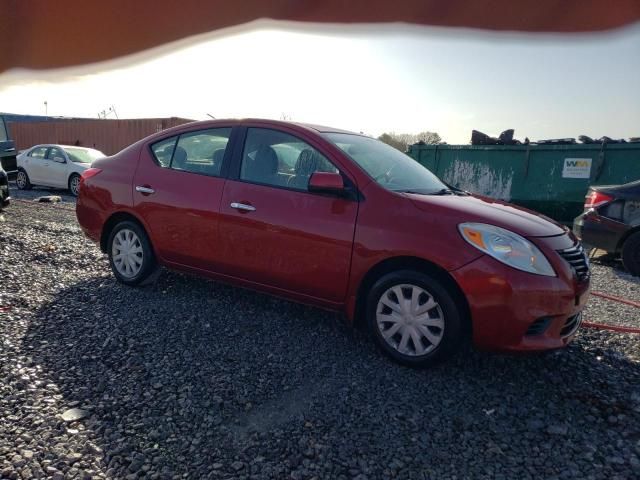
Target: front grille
571,325
577,258
538,327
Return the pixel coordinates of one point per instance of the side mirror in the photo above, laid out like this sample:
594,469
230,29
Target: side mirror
59,160
326,182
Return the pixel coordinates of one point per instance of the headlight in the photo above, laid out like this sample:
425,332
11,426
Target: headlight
507,247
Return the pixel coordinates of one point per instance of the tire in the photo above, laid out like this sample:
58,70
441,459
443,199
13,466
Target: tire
22,180
443,321
631,254
128,269
74,184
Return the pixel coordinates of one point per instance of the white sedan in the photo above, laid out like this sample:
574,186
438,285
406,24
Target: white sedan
54,166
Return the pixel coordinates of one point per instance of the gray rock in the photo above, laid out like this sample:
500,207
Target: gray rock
535,425
557,429
27,454
136,464
74,414
74,457
48,199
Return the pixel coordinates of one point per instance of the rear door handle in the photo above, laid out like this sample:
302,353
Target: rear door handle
144,190
242,206
10,150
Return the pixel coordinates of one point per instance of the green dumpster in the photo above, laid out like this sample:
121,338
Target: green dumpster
552,179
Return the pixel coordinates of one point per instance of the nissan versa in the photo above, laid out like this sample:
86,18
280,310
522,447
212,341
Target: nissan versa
340,221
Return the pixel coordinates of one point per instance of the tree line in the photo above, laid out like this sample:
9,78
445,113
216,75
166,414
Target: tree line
401,141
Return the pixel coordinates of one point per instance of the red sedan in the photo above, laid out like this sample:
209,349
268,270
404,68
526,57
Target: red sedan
340,221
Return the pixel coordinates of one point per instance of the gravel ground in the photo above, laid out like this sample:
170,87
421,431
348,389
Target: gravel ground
188,378
610,277
36,192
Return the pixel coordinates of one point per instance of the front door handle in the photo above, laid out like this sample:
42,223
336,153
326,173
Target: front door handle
242,206
144,190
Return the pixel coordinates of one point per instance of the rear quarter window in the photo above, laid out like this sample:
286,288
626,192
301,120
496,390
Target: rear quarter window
163,151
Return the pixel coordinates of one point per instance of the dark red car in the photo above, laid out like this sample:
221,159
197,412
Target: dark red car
340,221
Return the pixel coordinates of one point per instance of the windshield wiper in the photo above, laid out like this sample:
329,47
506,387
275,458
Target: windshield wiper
417,191
443,191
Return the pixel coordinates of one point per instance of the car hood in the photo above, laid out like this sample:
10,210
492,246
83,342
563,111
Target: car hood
473,208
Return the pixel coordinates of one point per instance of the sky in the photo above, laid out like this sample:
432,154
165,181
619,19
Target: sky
370,79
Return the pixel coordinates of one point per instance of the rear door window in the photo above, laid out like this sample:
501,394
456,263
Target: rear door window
54,153
202,151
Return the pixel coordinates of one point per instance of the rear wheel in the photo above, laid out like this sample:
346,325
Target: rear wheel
130,254
631,254
22,180
414,318
74,184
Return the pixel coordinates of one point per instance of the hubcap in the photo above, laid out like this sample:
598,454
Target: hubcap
127,253
410,320
75,183
21,180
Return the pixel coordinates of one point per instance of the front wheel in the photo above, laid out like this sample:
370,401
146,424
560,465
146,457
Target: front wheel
130,253
414,318
631,254
22,180
74,184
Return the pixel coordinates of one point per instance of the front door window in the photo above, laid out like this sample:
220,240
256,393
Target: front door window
275,158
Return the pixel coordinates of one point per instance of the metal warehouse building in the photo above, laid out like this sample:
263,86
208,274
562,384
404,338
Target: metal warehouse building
106,135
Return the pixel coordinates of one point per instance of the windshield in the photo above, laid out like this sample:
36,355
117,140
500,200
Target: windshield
83,155
389,167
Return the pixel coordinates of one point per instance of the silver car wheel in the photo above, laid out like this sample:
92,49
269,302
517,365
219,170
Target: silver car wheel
74,185
21,180
127,253
410,320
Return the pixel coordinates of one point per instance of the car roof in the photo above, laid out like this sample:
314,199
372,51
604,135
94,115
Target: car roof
312,126
233,122
73,146
268,121
47,145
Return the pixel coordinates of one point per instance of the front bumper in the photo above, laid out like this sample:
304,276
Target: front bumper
518,311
